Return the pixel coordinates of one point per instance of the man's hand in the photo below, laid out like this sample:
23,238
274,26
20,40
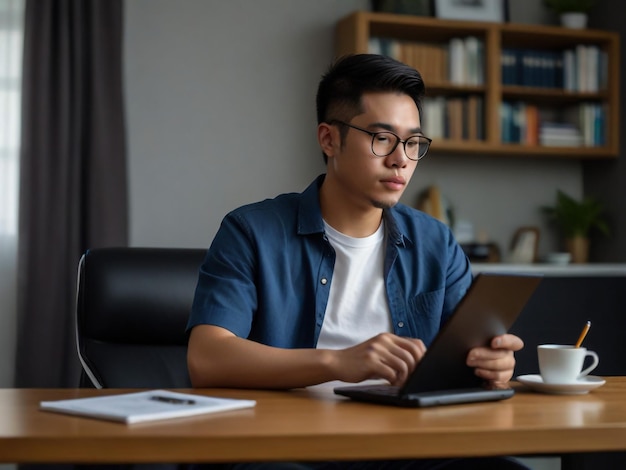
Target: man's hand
218,358
496,363
385,356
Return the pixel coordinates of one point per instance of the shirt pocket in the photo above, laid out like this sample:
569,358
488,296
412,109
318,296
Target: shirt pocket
425,314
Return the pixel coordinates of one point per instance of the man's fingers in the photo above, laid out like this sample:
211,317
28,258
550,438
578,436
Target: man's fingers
394,357
507,341
496,363
495,377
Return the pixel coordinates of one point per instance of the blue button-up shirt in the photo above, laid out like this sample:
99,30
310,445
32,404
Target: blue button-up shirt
268,272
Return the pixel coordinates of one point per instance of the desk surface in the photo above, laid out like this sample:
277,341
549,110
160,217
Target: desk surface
316,425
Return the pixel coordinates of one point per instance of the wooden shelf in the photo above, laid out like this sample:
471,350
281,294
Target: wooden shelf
354,32
469,147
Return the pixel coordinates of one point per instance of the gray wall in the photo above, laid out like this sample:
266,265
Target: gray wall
220,103
220,108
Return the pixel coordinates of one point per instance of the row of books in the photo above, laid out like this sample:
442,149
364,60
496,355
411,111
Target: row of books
454,118
582,69
519,123
459,60
523,123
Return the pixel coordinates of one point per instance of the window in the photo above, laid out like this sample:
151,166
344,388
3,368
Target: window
11,25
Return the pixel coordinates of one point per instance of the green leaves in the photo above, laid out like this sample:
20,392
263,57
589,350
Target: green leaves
577,218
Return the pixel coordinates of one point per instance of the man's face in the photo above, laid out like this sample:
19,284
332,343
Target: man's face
366,179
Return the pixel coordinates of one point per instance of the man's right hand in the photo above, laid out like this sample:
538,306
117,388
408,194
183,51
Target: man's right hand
385,356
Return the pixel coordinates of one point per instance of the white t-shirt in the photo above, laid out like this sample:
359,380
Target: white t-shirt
357,306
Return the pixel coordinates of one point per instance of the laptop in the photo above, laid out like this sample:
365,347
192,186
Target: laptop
489,308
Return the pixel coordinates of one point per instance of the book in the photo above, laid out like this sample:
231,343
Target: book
456,61
532,125
151,405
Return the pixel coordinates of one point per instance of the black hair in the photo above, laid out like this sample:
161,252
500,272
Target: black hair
350,76
347,79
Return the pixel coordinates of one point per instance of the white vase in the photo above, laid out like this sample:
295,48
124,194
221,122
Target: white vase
574,20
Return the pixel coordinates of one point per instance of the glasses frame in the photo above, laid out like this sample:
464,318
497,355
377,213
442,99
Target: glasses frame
398,140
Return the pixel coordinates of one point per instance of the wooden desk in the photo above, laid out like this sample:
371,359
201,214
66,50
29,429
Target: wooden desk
316,425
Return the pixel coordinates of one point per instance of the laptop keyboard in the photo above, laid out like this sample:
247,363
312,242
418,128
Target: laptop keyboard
381,389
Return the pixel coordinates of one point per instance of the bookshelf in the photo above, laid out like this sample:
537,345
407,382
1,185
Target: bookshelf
592,111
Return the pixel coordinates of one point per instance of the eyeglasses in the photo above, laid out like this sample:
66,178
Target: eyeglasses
384,143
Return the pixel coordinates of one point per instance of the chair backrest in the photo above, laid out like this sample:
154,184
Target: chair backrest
132,310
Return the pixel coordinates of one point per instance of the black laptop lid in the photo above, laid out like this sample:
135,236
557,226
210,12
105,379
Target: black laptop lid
488,309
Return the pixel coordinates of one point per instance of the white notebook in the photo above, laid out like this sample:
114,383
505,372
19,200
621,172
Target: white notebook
151,405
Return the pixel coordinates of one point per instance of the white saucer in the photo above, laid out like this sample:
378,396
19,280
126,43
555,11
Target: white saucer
579,387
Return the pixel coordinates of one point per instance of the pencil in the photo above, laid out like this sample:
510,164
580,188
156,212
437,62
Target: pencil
583,334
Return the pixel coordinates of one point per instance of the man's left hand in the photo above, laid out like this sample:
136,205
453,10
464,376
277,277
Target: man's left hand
496,363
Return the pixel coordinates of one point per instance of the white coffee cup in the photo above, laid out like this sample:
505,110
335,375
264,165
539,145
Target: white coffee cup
563,364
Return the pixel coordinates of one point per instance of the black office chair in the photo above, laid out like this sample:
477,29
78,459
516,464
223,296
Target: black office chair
132,310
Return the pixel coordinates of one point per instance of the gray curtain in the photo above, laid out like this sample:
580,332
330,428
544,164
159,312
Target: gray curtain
73,182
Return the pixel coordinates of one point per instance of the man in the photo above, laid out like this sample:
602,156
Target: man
340,282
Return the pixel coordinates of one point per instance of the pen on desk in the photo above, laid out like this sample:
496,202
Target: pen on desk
172,400
583,334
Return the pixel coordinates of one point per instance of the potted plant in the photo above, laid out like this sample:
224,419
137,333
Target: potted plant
573,13
575,220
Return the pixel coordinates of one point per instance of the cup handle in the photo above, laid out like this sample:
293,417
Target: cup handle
595,363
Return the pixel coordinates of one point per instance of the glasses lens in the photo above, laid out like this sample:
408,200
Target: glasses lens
383,143
415,148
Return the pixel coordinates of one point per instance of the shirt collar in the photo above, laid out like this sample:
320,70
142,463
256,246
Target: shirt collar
394,234
309,211
310,215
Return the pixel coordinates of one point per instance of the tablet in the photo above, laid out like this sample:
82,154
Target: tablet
489,308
